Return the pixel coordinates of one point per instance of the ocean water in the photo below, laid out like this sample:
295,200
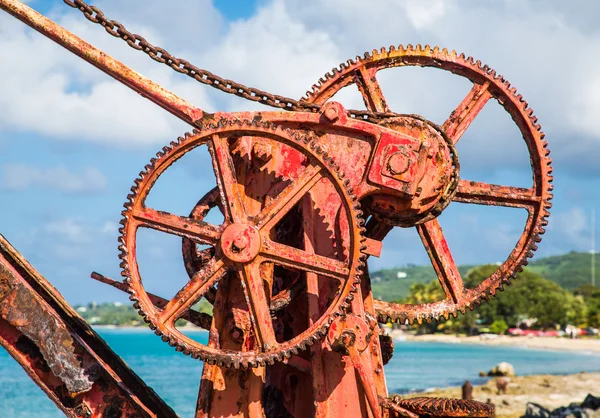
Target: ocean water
175,377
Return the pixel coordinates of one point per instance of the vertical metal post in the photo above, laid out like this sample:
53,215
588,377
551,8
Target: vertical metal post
594,247
467,391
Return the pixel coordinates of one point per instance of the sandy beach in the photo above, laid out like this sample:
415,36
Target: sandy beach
548,391
582,345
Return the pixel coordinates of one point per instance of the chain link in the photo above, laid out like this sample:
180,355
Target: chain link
139,43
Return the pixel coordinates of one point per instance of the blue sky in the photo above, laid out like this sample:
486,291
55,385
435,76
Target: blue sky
72,140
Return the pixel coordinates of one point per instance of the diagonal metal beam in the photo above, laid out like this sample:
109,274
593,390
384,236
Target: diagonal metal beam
116,69
61,353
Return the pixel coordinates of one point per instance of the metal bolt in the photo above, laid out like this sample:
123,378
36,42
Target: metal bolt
398,163
239,243
331,113
348,338
236,333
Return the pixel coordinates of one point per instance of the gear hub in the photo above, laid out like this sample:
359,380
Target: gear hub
240,242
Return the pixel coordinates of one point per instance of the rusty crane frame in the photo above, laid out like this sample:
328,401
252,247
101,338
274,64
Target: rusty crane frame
307,193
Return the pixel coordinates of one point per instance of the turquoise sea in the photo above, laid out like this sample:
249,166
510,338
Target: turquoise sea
415,366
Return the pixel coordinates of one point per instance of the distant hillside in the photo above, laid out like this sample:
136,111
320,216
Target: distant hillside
569,271
393,284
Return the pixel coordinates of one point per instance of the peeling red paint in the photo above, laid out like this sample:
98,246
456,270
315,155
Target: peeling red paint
287,265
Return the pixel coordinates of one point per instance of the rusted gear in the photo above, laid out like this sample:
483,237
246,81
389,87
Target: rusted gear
242,244
194,258
536,200
437,407
384,209
387,347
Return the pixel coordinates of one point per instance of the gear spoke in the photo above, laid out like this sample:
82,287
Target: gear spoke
441,258
366,80
496,195
486,84
181,226
462,117
226,178
294,258
198,285
258,304
288,198
238,245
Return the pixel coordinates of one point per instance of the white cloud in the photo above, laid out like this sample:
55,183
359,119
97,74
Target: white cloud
571,229
73,238
20,177
70,230
425,14
284,48
275,51
67,249
109,227
48,91
585,104
541,49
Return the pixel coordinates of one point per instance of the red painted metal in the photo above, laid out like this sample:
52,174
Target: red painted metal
294,330
536,199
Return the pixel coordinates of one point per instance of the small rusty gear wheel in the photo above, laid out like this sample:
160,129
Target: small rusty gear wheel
536,200
387,347
436,407
193,257
242,244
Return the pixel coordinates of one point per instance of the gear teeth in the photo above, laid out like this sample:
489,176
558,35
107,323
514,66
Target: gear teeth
516,101
226,360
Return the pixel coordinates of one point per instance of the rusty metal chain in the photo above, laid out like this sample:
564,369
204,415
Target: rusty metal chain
139,43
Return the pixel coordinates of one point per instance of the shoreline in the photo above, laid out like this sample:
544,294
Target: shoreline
579,345
143,327
549,391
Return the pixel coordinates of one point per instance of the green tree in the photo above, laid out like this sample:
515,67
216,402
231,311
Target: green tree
499,326
530,295
591,297
594,311
585,290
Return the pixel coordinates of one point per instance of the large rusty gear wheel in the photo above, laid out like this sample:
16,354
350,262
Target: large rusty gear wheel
536,200
242,244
